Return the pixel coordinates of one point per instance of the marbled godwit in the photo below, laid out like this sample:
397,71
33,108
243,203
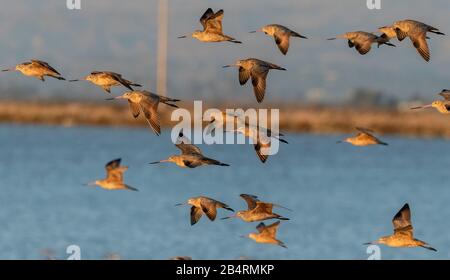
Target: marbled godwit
281,34
362,41
257,70
257,210
204,205
212,28
267,234
261,137
191,155
417,33
36,68
364,138
443,106
114,177
147,102
107,79
403,232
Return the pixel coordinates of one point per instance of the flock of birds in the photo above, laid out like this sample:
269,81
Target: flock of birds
256,70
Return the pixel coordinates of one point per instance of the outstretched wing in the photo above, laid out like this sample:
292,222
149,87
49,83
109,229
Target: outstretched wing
134,109
207,15
149,106
282,41
363,47
184,144
244,75
213,23
114,172
271,230
263,207
196,214
45,64
420,43
251,200
209,208
259,83
113,164
118,78
402,220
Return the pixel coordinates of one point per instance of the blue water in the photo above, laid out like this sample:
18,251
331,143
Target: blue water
341,196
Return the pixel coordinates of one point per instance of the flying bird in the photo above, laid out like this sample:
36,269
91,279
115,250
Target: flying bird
212,28
191,156
443,106
114,177
261,137
364,138
36,68
147,102
417,33
403,232
257,70
281,34
362,41
267,234
257,210
204,205
107,79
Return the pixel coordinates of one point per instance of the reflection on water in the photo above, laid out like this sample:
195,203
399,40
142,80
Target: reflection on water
341,196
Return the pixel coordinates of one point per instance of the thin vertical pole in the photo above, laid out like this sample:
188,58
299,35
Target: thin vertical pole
161,71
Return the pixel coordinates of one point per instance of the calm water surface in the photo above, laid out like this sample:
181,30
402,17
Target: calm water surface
341,196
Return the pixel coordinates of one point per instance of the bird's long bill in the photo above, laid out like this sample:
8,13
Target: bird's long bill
156,162
421,107
226,66
115,98
229,217
180,204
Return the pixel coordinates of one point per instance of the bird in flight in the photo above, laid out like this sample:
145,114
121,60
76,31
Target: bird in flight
364,138
281,35
403,232
204,205
114,177
362,41
257,70
417,33
261,137
267,234
38,69
191,156
107,79
147,102
212,28
257,210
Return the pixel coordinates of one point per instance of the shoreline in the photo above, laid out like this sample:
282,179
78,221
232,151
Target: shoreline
293,117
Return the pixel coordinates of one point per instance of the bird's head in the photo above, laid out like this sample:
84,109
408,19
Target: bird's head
436,104
196,34
252,236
